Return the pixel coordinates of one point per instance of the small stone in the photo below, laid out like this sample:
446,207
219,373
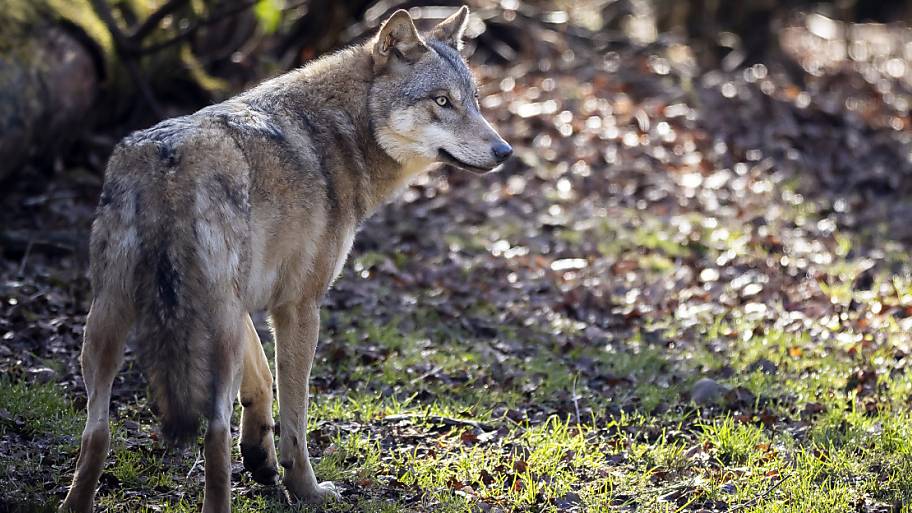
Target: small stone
707,391
765,366
740,397
709,275
569,499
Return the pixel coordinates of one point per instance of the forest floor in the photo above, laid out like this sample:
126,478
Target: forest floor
689,291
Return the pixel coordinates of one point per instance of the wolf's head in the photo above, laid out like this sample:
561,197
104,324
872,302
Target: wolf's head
424,101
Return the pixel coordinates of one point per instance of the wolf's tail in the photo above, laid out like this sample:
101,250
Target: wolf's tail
173,376
172,341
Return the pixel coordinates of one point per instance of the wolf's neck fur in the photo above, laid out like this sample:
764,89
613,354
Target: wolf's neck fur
330,97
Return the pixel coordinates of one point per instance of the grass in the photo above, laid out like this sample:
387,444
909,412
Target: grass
36,427
766,458
418,411
659,462
37,409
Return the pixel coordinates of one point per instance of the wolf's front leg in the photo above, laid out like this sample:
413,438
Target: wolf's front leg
296,330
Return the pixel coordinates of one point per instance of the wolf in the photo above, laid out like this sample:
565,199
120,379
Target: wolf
253,204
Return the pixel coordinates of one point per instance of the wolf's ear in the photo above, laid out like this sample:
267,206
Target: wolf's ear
450,30
398,38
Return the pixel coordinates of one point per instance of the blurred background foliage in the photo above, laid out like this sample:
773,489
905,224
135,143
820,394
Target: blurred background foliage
78,74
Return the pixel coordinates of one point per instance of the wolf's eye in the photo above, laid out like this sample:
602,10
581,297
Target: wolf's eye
443,101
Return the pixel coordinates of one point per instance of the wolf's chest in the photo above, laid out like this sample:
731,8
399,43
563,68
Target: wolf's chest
309,270
344,248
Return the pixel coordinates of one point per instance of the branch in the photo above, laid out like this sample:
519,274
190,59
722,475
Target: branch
321,26
198,24
154,19
103,10
123,46
136,74
129,46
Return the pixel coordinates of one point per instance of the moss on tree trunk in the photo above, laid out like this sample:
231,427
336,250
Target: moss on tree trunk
60,71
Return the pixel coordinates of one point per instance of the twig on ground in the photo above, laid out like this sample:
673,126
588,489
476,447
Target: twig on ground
25,256
425,376
763,495
199,458
575,400
438,419
38,240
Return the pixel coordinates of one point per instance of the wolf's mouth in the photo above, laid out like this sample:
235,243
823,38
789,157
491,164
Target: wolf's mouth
450,159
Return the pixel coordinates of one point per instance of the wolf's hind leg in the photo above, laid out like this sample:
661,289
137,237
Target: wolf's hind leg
217,452
257,443
227,352
106,330
296,331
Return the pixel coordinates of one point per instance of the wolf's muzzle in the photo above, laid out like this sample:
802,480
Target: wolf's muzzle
451,159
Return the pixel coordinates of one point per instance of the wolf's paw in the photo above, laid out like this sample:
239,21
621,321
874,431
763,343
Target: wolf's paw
327,491
72,506
323,492
256,461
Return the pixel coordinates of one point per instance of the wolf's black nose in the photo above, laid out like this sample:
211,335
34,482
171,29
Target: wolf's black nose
502,151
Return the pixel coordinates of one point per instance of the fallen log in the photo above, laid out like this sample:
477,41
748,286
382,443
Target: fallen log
48,83
67,66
